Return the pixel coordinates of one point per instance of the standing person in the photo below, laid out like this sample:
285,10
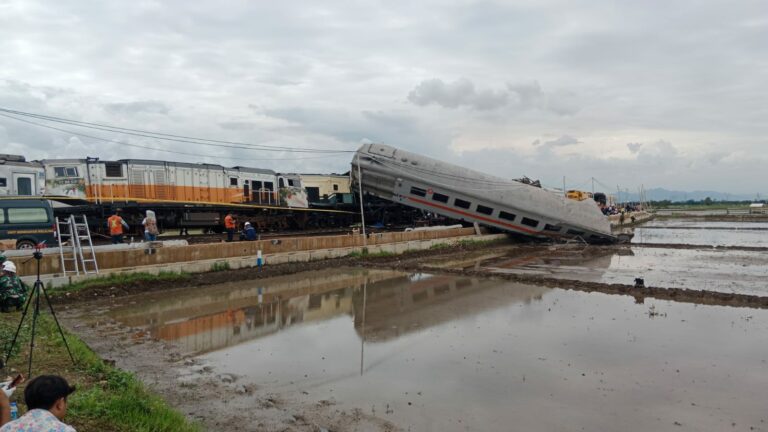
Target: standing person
13,292
230,223
116,225
150,226
46,399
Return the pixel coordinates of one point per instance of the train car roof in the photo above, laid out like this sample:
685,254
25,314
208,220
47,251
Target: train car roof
253,170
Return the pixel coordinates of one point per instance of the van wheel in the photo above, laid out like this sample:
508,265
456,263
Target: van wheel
25,244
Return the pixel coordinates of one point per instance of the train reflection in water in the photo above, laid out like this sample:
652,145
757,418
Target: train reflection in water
382,304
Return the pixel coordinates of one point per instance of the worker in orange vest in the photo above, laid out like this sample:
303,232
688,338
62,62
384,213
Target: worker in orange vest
116,225
230,223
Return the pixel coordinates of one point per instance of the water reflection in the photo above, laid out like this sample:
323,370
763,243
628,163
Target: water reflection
382,305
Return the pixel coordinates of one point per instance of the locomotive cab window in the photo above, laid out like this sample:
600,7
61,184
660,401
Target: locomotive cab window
256,185
418,191
112,169
290,182
484,210
3,182
233,181
65,171
458,202
439,197
280,182
269,186
530,222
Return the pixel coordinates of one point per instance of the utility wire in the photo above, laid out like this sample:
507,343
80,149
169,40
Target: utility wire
169,137
155,148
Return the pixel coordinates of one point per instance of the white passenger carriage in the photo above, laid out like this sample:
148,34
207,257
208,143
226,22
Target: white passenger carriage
19,177
468,195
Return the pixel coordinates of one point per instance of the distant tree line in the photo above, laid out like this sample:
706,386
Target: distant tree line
704,202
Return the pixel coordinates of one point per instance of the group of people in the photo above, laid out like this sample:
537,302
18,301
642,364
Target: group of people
13,292
46,400
230,225
613,209
118,226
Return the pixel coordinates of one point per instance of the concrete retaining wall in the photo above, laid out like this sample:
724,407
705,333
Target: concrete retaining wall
271,258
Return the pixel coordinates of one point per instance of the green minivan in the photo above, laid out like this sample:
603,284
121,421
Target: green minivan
27,220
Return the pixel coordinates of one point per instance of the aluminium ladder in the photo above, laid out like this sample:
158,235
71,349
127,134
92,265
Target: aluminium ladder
78,234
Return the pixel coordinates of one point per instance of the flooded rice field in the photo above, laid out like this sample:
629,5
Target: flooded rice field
699,232
364,349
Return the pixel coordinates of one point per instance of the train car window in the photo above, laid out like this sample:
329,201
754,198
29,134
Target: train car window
269,186
290,182
335,187
3,182
27,215
439,197
574,232
418,191
65,172
484,210
554,228
458,202
233,181
530,222
507,216
113,169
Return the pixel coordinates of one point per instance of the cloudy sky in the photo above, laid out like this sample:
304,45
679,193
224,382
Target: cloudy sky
658,93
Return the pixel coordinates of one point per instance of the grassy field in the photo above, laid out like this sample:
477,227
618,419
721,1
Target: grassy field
107,398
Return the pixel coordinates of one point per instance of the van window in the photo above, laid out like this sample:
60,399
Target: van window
65,172
27,215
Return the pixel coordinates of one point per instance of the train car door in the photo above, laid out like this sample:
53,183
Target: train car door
24,184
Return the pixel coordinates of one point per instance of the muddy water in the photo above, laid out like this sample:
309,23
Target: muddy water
443,353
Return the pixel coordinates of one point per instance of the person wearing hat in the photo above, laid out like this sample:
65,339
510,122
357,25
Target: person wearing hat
13,292
46,399
249,232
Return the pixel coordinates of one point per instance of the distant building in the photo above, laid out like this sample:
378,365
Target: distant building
757,208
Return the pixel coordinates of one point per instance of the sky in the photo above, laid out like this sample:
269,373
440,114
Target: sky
634,94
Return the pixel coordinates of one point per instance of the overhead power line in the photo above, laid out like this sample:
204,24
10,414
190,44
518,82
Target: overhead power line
127,144
15,114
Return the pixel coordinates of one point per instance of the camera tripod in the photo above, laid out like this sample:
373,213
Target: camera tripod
34,296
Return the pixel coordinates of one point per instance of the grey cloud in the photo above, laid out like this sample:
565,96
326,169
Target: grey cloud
453,95
564,140
138,107
237,125
634,147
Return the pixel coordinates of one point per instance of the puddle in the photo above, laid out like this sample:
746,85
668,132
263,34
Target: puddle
444,353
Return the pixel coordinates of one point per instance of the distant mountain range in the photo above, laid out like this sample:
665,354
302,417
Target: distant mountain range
660,194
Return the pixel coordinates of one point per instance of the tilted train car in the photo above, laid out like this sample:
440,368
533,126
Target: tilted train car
464,194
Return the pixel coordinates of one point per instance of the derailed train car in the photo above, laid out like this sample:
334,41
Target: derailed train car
460,193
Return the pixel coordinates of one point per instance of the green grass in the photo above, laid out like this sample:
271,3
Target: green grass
119,279
107,398
220,266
